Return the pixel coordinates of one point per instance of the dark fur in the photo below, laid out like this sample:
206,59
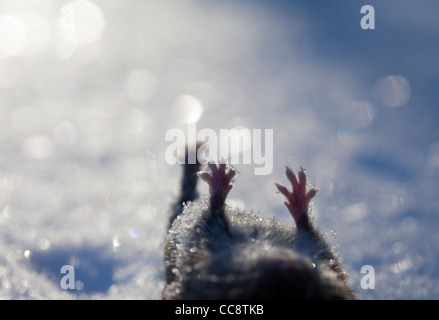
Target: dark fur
215,252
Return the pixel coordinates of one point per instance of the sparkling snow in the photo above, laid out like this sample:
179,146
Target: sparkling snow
88,90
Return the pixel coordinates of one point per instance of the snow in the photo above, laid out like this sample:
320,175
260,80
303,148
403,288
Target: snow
88,90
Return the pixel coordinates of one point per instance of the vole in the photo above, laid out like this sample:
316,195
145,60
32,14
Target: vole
216,252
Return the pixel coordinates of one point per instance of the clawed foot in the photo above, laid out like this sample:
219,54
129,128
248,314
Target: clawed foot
219,183
298,200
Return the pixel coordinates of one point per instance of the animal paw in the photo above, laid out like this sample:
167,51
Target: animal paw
219,182
298,199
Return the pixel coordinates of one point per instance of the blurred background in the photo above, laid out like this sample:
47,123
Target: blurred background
88,90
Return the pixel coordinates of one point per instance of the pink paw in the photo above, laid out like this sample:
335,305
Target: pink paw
219,182
298,199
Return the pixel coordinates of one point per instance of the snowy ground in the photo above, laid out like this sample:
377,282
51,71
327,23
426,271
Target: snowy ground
88,91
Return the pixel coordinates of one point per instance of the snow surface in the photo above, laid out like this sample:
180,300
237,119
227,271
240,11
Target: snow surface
88,91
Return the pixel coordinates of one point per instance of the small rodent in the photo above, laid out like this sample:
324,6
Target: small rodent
215,252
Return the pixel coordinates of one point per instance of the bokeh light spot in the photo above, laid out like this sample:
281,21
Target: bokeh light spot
354,212
361,114
348,138
392,91
12,182
13,36
44,244
188,109
133,233
82,22
6,211
37,31
38,147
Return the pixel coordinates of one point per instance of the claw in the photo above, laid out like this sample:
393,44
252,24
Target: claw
206,177
302,180
212,166
282,190
231,174
311,193
292,177
298,199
